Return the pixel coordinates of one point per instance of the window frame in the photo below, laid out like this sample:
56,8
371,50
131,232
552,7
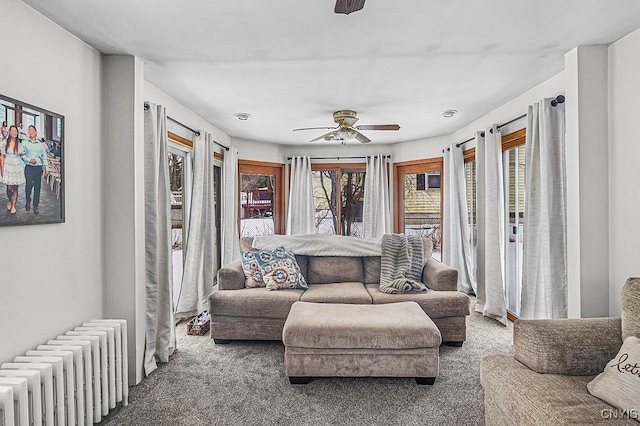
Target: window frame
427,165
267,168
339,168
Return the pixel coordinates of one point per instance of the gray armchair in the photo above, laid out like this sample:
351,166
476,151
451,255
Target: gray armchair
545,382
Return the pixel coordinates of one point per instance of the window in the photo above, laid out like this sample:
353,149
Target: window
427,181
470,176
179,173
513,156
261,198
338,195
418,209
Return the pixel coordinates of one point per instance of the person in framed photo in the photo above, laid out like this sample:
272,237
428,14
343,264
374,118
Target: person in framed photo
12,167
35,160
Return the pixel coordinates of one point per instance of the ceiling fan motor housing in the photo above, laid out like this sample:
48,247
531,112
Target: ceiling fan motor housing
339,116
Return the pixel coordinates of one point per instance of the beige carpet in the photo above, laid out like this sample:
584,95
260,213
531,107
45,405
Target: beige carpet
243,383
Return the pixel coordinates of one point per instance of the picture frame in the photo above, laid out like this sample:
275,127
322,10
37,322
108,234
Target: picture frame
32,147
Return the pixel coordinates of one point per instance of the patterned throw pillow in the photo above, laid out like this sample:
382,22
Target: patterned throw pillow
279,269
252,273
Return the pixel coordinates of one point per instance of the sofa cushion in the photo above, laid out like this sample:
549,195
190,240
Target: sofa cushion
254,302
335,269
436,304
343,326
631,308
337,293
526,397
371,269
619,384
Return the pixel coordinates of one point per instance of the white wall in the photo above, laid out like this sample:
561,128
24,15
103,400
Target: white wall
184,115
420,149
512,109
52,275
124,194
587,182
624,173
259,151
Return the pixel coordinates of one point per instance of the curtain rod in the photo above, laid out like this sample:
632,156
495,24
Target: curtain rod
558,100
338,158
195,132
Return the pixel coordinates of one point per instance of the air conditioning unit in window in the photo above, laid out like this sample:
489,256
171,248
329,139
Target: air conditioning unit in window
428,181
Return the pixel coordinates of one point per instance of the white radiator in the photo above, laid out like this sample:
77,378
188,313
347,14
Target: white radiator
72,380
47,392
58,383
94,370
6,405
33,388
68,381
20,399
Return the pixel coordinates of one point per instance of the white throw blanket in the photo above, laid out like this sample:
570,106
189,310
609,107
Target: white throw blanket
320,245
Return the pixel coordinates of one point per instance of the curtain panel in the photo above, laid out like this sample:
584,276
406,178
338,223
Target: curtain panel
376,213
457,251
301,211
160,325
544,282
199,265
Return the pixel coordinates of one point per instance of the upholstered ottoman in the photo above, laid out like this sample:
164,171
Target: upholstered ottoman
390,340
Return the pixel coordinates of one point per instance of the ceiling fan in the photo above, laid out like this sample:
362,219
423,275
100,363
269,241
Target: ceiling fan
348,6
345,129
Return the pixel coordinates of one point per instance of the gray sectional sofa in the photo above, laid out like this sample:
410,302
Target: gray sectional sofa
240,313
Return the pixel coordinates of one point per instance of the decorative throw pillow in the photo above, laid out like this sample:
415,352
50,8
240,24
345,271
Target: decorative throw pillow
279,269
252,273
619,384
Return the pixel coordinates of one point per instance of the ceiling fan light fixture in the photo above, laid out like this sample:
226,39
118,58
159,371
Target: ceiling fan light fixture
449,113
243,116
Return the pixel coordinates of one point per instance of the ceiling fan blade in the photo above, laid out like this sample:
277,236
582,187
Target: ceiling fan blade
362,138
378,127
322,137
348,6
315,128
350,121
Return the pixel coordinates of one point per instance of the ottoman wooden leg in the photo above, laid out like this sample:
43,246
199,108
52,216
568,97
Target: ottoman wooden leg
425,380
454,344
299,380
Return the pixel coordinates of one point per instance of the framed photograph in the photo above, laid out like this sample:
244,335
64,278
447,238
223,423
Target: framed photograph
31,164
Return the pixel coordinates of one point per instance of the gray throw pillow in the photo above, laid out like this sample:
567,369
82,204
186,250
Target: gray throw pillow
619,383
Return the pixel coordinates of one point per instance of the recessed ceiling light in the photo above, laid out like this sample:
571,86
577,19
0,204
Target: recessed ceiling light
244,116
449,113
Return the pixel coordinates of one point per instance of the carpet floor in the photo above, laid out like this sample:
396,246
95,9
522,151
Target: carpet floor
243,383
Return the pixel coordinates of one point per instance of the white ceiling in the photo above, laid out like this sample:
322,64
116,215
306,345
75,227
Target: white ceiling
291,63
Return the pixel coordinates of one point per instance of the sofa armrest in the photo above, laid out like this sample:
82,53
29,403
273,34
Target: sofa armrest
231,276
574,347
438,276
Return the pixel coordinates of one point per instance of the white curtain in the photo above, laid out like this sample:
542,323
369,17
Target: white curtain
301,212
457,250
376,213
544,286
160,325
230,205
490,300
199,265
